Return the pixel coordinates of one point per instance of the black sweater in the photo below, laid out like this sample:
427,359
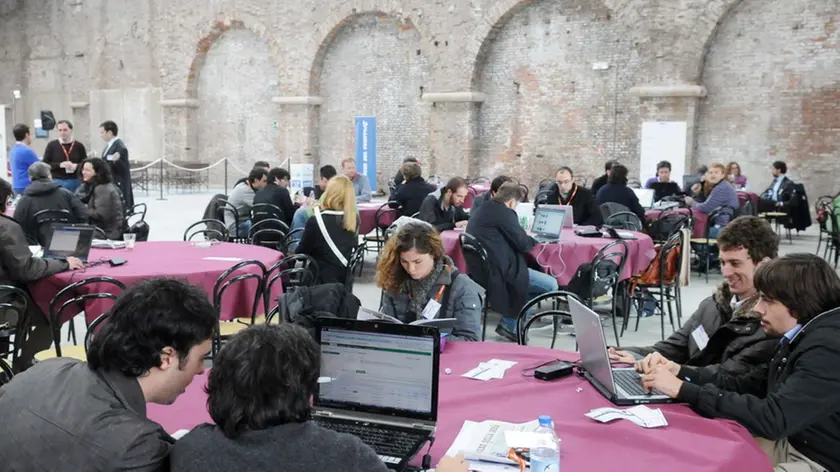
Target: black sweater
279,197
54,155
313,244
433,213
583,205
623,195
411,194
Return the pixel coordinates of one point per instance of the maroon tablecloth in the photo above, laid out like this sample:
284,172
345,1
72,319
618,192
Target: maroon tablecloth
176,259
562,260
689,443
474,191
367,216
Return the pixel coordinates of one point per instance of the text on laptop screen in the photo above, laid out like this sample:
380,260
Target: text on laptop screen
64,241
548,221
377,370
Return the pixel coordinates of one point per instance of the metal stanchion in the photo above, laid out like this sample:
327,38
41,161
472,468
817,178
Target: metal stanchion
160,180
226,176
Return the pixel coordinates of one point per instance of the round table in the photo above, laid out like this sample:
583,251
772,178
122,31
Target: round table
689,443
367,216
176,259
562,260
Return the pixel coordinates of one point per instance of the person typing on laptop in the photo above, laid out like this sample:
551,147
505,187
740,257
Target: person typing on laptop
725,332
791,404
566,192
260,396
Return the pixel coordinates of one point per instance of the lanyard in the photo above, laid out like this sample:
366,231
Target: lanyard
572,197
441,290
66,151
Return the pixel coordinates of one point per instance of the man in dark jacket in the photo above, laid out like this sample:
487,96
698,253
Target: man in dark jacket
444,208
772,198
44,194
511,284
400,179
276,193
485,197
792,403
413,191
566,192
116,154
602,180
725,332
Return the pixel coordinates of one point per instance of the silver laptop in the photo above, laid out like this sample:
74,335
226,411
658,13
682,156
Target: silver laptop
622,386
645,196
548,223
382,385
69,241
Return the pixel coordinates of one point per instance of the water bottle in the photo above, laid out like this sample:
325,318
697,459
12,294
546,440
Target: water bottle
545,456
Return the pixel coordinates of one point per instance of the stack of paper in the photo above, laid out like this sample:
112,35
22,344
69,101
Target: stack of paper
493,369
484,444
641,415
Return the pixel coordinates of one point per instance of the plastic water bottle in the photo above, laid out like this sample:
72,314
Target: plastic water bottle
545,456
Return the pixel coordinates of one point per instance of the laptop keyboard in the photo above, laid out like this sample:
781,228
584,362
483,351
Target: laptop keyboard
390,444
629,381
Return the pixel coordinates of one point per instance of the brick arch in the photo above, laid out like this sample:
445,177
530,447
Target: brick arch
328,29
704,34
216,29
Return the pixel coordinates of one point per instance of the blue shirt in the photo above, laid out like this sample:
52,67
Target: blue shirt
20,158
777,184
793,332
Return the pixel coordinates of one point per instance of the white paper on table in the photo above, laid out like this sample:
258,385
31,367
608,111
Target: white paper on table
492,369
483,444
529,439
228,259
180,433
640,415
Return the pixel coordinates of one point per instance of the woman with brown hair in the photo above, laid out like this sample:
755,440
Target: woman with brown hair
419,281
733,175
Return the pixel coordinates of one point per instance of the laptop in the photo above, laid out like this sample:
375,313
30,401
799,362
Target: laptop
569,220
548,223
383,385
645,196
69,241
622,386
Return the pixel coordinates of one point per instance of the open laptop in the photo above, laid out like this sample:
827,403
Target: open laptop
548,223
569,220
645,196
383,384
69,241
622,386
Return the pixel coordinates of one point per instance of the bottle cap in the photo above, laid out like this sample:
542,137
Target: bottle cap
545,420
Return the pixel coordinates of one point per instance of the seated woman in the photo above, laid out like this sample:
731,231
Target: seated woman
443,208
102,197
413,190
260,395
617,191
722,193
735,177
330,236
413,272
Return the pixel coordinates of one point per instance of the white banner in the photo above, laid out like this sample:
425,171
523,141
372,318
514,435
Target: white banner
663,141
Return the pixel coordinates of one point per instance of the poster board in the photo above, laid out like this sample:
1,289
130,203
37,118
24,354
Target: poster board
663,141
366,148
303,175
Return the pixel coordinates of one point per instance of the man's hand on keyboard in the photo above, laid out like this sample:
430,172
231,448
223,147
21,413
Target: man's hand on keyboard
621,356
663,381
651,361
75,263
453,464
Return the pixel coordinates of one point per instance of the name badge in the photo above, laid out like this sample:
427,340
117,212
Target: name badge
431,310
700,337
109,157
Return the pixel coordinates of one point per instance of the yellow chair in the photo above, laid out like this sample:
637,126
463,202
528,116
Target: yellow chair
248,271
73,352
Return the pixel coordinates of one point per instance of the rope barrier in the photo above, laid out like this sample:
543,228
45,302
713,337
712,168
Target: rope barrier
195,170
241,172
154,162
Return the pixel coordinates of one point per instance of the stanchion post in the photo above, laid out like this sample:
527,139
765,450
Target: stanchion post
160,180
226,175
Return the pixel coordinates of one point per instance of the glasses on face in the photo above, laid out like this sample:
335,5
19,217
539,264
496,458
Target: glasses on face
564,182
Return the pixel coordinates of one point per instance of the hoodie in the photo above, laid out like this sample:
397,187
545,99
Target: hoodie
47,195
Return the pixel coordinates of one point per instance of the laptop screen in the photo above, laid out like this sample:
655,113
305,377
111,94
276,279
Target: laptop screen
549,221
592,343
645,196
380,372
67,241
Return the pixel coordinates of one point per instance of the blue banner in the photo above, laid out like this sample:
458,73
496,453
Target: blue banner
366,148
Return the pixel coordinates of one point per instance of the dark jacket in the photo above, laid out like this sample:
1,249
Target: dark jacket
664,189
304,305
795,396
46,195
795,204
480,199
464,304
784,187
104,208
737,343
278,196
497,228
121,171
56,153
432,212
623,195
583,204
598,183
102,426
411,194
17,265
313,243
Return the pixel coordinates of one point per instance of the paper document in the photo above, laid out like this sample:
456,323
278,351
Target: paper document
492,369
640,415
36,251
444,325
180,433
485,445
227,259
107,244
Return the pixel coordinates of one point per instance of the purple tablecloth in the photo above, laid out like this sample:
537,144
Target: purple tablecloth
689,443
175,259
562,260
474,191
367,216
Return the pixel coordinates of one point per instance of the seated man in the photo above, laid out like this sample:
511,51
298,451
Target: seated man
242,197
793,400
257,165
410,195
662,184
725,332
485,197
260,395
444,208
305,211
18,267
771,200
44,194
566,192
399,179
602,180
511,282
67,415
276,192
361,184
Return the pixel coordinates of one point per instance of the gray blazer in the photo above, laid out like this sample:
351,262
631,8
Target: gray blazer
106,210
465,302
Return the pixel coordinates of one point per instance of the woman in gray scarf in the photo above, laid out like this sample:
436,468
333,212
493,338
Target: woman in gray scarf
418,281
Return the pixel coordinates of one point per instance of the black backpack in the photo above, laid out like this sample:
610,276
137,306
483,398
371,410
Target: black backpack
305,305
583,285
